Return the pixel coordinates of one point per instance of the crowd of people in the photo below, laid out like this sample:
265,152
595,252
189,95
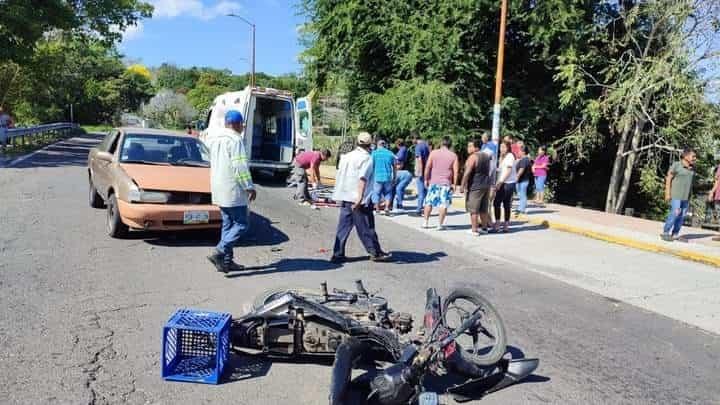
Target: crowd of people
375,175
493,173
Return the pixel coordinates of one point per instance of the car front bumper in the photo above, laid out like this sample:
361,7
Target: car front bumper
165,217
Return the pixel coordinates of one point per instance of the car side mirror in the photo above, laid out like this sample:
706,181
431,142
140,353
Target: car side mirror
104,156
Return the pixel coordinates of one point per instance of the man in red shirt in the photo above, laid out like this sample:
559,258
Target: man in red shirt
308,160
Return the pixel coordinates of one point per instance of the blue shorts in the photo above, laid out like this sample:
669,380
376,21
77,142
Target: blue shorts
382,191
540,183
439,196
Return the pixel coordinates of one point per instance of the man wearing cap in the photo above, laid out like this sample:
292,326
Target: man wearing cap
353,192
231,186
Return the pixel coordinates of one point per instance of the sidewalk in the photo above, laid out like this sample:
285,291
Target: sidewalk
626,231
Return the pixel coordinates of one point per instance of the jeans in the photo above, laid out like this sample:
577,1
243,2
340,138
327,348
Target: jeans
522,188
676,217
540,183
402,181
234,227
301,177
421,191
363,220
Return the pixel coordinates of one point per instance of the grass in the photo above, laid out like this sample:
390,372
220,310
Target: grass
96,128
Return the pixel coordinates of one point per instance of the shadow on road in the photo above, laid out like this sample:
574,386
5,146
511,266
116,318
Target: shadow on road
244,366
286,265
261,233
69,152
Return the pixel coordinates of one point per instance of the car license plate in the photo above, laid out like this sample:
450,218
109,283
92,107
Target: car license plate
196,217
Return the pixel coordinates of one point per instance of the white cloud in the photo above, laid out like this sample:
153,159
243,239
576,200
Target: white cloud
133,32
194,8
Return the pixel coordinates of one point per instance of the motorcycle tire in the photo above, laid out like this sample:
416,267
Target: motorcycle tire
500,346
268,295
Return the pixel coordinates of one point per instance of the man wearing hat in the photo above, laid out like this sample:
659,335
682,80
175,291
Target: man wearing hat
353,192
231,186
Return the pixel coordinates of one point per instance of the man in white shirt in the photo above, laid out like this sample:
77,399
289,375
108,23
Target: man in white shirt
231,186
353,194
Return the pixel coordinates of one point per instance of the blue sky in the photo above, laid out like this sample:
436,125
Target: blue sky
198,33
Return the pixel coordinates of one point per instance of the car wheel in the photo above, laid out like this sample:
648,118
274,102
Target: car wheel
115,226
95,200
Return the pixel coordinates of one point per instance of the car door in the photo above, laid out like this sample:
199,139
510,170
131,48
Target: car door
102,177
303,123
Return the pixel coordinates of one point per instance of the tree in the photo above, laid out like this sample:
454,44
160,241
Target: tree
25,22
169,109
645,94
135,87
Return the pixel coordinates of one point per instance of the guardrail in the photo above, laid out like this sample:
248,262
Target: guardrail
17,136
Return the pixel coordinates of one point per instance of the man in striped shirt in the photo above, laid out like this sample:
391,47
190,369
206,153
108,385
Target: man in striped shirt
231,186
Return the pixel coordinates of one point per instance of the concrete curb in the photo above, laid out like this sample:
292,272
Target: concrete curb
618,240
628,242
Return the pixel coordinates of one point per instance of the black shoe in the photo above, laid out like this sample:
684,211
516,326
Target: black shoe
381,257
217,260
666,237
232,266
338,259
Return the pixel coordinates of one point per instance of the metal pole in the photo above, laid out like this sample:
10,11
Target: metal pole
499,73
246,21
253,57
71,113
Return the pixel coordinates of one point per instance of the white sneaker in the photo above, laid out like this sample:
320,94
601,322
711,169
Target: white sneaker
426,225
473,233
440,227
482,232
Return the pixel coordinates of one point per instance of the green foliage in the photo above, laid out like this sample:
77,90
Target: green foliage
25,22
413,105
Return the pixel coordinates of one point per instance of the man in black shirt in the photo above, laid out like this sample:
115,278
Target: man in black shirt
476,185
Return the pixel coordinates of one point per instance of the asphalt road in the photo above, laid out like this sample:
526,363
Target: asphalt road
81,314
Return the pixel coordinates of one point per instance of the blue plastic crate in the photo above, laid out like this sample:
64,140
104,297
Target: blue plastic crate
195,346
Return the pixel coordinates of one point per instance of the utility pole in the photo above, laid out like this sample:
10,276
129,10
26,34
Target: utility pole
499,73
252,76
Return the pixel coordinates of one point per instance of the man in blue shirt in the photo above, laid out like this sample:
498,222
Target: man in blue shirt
422,152
384,174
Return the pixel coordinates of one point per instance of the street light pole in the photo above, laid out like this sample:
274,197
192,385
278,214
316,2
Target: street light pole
499,73
252,76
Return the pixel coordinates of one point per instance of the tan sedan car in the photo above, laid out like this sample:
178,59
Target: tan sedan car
151,180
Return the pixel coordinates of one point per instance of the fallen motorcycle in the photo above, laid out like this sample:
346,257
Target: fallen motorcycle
462,334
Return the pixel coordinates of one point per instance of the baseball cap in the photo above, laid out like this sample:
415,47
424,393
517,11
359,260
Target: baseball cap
233,117
364,138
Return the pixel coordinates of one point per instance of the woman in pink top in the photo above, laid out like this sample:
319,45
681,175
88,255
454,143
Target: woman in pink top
540,171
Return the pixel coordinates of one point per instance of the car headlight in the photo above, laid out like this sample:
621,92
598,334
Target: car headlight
140,196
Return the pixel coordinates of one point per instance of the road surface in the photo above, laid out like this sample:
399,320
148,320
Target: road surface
81,314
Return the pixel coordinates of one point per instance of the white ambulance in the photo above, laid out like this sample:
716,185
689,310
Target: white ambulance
277,126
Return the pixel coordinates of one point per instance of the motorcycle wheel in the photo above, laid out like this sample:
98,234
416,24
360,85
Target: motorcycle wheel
480,353
269,295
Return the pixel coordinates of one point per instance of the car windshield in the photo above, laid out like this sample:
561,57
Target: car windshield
163,149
